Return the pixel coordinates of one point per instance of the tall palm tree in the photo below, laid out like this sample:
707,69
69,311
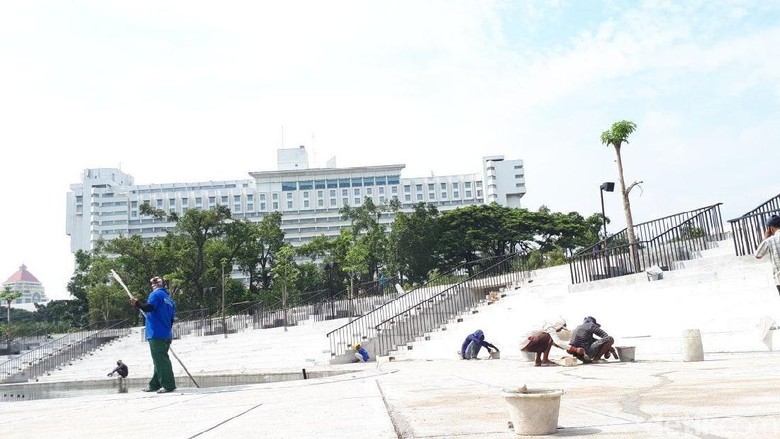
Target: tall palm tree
617,136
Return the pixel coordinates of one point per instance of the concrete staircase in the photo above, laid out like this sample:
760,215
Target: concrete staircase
727,297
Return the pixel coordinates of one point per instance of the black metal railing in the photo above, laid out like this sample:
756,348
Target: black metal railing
440,308
678,243
365,325
58,351
748,229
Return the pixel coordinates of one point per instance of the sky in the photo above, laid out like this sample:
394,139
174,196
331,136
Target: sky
186,91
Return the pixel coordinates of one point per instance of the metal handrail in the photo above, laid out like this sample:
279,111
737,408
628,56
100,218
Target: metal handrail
365,322
748,229
444,305
680,242
51,355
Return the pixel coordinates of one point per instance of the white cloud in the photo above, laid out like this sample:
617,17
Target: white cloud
202,92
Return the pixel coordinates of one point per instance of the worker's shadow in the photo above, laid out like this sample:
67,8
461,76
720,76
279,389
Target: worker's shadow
563,432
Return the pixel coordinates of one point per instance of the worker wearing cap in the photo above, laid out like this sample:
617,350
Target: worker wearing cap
361,354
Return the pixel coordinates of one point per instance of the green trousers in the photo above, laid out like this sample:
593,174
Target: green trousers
163,370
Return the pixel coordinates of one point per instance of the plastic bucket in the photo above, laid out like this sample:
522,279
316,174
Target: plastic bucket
495,355
534,412
625,353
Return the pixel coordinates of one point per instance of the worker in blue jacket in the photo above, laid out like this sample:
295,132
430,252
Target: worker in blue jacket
361,354
473,343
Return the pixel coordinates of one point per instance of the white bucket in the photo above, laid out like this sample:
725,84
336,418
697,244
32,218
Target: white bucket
625,353
534,412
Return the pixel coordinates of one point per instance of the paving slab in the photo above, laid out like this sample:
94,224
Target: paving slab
725,396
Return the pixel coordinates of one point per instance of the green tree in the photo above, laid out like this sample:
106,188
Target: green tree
616,136
285,273
355,266
9,296
413,243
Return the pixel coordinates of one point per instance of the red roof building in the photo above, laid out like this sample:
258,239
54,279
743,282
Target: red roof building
31,288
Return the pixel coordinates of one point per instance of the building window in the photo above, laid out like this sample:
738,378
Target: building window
289,186
333,193
444,186
345,201
185,203
407,188
212,201
357,192
381,190
275,196
518,166
320,203
224,199
159,204
319,184
289,195
467,185
306,204
394,190
332,184
262,197
357,201
250,206
369,191
333,201
479,193
343,182
431,187
408,197
250,198
419,196
320,194
357,182
418,187
305,185
276,205
381,198
134,204
455,193
237,207
262,206
345,192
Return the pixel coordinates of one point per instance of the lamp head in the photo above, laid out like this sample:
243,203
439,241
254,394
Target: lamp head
608,186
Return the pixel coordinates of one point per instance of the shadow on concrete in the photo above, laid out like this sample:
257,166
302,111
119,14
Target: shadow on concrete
563,432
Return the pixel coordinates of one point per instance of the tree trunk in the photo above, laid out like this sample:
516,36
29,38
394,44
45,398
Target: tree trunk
633,248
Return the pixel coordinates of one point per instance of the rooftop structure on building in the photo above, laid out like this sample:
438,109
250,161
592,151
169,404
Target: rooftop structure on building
26,283
106,203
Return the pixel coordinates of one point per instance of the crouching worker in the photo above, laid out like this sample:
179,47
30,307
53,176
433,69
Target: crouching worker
121,369
361,354
473,343
541,341
586,347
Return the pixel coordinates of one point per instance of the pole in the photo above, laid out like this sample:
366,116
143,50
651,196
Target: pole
224,327
127,290
603,214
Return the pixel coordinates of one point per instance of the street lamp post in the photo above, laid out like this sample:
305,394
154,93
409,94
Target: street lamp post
224,327
608,187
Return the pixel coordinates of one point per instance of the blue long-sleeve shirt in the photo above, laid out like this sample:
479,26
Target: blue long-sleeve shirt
477,337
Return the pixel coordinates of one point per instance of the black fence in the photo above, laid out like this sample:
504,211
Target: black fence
365,325
444,306
690,232
748,229
57,351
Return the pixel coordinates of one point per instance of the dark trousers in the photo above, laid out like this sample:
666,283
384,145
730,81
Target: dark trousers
163,370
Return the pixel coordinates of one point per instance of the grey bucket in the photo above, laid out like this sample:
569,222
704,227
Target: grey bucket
626,353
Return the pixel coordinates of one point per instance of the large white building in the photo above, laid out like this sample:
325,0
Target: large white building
106,203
